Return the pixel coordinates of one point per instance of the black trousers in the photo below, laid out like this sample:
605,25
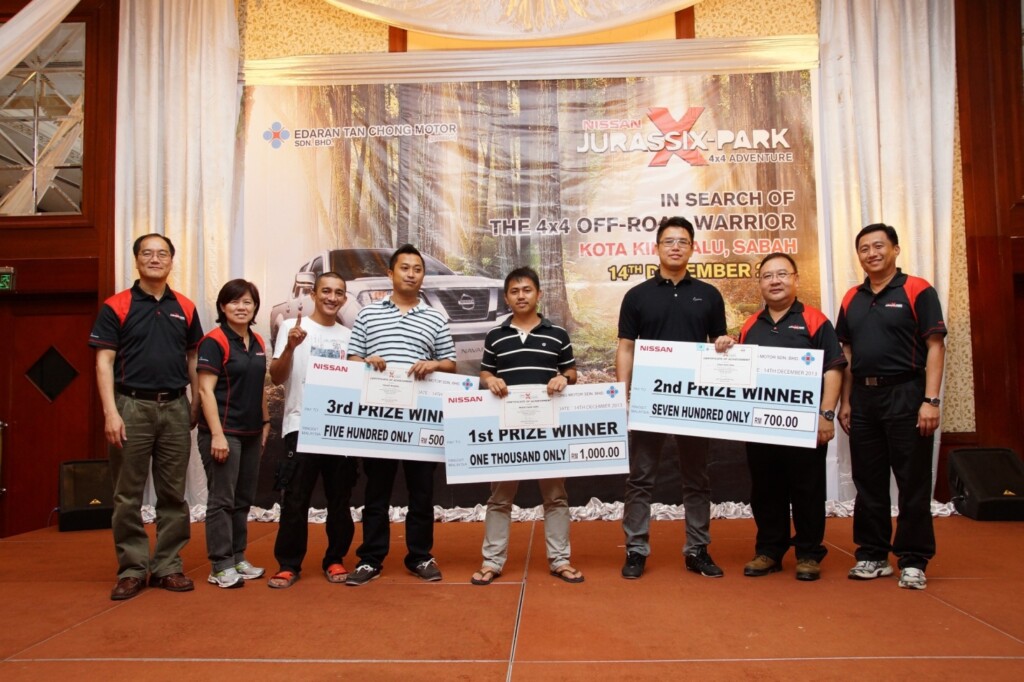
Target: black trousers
884,437
419,521
782,476
339,476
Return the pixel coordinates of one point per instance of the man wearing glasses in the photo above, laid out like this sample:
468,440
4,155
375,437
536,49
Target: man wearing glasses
783,475
146,339
671,306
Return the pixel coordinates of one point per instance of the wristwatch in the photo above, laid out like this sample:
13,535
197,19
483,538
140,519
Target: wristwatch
931,401
829,415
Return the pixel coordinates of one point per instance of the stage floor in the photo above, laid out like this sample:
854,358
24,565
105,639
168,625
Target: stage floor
968,624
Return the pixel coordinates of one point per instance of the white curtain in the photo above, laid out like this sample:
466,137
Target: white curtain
511,19
888,85
656,57
177,109
28,28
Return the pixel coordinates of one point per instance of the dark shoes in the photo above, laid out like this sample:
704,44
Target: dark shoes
126,588
701,562
173,582
427,570
363,574
634,566
762,565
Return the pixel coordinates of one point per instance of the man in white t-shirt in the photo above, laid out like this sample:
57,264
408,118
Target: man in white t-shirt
319,335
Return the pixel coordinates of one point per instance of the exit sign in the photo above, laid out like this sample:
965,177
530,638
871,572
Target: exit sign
6,279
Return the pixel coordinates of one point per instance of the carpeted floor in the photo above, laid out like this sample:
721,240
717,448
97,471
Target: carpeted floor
968,624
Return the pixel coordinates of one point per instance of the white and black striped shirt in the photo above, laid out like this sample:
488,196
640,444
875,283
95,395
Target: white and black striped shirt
534,358
420,334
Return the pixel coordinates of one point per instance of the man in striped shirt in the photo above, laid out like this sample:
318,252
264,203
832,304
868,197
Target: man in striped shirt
400,329
526,349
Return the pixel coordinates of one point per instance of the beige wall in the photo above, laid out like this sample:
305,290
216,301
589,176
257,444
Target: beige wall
280,28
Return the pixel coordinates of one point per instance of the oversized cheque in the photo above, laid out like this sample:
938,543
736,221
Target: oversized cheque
754,393
589,438
335,422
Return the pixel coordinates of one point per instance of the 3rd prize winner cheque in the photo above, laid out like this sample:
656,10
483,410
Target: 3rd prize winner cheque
336,422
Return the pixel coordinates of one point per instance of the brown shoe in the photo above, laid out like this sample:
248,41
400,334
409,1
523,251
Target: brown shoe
126,588
174,582
761,565
807,569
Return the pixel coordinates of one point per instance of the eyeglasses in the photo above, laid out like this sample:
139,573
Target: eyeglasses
675,242
781,275
161,255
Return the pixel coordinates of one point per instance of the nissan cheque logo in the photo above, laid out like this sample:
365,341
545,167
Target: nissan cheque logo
465,399
655,349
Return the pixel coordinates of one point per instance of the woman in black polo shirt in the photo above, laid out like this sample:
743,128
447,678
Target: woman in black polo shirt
233,429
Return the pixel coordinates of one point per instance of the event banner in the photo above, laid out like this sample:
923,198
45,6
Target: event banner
486,440
337,421
570,176
751,393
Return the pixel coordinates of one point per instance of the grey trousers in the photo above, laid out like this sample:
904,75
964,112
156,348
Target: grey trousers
231,488
498,521
158,434
645,449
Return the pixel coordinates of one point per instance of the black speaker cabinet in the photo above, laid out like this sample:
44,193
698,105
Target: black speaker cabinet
86,495
987,484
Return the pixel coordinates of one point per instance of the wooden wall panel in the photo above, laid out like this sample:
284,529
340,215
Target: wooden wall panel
60,255
989,78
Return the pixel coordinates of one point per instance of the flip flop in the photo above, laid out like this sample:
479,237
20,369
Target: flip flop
487,576
284,579
336,573
567,573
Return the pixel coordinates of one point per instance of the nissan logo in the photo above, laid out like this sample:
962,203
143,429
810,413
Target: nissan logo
466,302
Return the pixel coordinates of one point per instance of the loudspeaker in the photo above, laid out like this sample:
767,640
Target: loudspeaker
987,483
86,495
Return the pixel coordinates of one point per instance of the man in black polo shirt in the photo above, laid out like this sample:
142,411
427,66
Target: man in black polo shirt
893,334
671,306
526,349
784,475
145,340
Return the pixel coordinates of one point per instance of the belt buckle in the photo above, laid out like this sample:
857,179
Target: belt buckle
871,381
162,396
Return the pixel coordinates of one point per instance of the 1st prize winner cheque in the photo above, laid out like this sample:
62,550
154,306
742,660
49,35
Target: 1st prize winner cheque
588,439
336,422
676,389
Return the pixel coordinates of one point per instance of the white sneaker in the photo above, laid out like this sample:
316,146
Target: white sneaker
869,570
228,578
913,579
248,571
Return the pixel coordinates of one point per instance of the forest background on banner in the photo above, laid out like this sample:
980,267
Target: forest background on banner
488,176
568,176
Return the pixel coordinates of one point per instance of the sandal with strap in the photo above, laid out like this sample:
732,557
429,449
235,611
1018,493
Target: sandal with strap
487,576
567,573
336,573
282,580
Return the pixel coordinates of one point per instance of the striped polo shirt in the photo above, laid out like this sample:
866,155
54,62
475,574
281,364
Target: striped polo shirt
535,358
420,334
